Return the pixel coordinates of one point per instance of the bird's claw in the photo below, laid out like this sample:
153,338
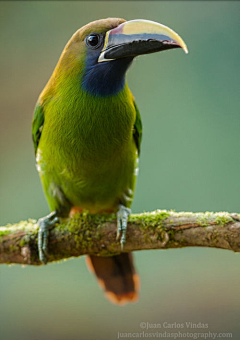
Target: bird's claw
45,224
122,219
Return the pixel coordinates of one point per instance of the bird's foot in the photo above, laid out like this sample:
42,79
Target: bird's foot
122,220
45,224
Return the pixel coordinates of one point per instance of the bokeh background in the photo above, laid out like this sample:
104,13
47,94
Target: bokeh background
189,162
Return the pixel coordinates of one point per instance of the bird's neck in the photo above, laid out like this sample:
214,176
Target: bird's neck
105,79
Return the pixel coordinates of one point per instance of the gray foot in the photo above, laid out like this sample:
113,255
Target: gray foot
122,219
45,224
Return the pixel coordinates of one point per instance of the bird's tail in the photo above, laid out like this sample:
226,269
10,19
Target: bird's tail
117,276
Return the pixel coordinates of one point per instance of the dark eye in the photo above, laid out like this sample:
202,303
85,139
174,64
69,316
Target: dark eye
93,40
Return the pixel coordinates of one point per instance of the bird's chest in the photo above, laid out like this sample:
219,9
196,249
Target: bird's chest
89,154
89,142
99,136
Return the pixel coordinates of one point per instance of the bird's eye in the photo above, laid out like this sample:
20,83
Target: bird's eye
93,40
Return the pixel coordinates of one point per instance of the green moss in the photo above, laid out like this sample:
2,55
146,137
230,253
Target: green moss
85,228
108,253
203,218
22,242
4,232
150,219
220,218
26,226
223,218
171,235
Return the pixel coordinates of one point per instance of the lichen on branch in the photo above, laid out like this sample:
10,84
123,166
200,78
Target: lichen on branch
96,235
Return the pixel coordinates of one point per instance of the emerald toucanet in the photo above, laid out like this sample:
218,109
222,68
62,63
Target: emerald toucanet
87,134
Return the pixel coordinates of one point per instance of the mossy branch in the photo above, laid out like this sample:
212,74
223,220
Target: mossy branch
96,235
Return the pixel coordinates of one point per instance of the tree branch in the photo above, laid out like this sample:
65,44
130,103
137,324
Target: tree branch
96,235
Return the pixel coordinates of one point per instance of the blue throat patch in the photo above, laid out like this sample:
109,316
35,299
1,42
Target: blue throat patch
106,78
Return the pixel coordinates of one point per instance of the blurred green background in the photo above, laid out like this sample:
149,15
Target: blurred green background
190,161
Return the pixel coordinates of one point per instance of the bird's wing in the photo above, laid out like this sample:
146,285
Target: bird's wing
37,125
137,133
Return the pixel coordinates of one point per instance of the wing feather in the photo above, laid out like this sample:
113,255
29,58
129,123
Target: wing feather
37,125
137,133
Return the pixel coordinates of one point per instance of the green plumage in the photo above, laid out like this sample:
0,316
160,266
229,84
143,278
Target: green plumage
86,149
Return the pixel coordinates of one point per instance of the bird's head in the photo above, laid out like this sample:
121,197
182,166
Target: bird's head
103,50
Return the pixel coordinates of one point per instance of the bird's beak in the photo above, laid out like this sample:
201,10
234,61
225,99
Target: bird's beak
137,37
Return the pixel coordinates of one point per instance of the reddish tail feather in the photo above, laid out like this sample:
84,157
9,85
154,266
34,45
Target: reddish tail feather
117,276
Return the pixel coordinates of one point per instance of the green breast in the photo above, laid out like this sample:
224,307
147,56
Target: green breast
86,153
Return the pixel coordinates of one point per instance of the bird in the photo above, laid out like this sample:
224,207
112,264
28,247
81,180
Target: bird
87,133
